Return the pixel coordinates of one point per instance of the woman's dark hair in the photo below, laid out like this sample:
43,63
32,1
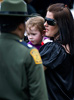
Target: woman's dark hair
65,22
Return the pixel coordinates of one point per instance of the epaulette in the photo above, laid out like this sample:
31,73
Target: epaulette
24,43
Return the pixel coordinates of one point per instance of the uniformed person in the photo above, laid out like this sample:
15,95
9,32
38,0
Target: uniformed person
21,70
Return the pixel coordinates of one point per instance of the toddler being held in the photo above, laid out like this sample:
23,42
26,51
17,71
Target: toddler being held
35,31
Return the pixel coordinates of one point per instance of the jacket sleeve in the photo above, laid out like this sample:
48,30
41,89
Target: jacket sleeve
52,54
36,78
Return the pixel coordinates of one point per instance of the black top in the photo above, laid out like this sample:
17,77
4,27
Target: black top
59,72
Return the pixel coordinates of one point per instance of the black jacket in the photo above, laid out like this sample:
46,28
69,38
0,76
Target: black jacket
59,72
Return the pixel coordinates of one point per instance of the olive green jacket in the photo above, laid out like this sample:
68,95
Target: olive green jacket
21,71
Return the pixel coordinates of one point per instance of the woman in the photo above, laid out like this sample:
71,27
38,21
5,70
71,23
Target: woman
57,55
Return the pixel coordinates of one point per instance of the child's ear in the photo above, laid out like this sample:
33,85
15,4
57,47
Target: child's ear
43,33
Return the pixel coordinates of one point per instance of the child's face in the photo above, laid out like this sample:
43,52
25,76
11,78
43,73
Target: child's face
34,36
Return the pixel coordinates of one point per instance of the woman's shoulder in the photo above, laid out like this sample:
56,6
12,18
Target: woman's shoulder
53,47
52,53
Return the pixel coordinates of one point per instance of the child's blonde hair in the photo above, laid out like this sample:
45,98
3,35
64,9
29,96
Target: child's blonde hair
37,22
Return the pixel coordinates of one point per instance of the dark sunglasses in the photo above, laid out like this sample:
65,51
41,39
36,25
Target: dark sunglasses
51,22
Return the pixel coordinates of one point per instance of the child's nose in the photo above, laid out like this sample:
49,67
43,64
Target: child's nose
30,36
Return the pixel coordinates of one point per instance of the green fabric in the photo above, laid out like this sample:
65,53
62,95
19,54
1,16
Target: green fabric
20,77
14,5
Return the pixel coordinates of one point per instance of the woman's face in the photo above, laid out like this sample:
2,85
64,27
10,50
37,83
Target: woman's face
51,31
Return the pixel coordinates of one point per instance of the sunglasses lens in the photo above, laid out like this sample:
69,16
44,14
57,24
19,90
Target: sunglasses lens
51,22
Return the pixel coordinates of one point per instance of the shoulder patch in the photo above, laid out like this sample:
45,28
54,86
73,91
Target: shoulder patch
36,56
24,43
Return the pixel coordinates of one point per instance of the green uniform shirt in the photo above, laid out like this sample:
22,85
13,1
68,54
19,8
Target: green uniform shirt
21,71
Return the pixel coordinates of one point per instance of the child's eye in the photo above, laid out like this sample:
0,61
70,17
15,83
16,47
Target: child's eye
33,34
28,33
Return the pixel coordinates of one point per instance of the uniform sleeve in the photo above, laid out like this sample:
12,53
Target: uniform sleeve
52,54
36,78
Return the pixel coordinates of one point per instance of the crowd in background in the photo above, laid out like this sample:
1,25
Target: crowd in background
40,6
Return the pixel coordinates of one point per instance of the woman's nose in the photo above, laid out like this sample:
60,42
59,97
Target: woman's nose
45,24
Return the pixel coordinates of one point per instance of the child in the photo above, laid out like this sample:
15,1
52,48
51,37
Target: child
35,31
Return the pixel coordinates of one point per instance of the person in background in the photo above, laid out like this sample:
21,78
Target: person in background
35,31
30,8
21,70
41,5
57,55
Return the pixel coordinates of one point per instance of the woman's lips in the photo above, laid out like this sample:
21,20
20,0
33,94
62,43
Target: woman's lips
46,30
